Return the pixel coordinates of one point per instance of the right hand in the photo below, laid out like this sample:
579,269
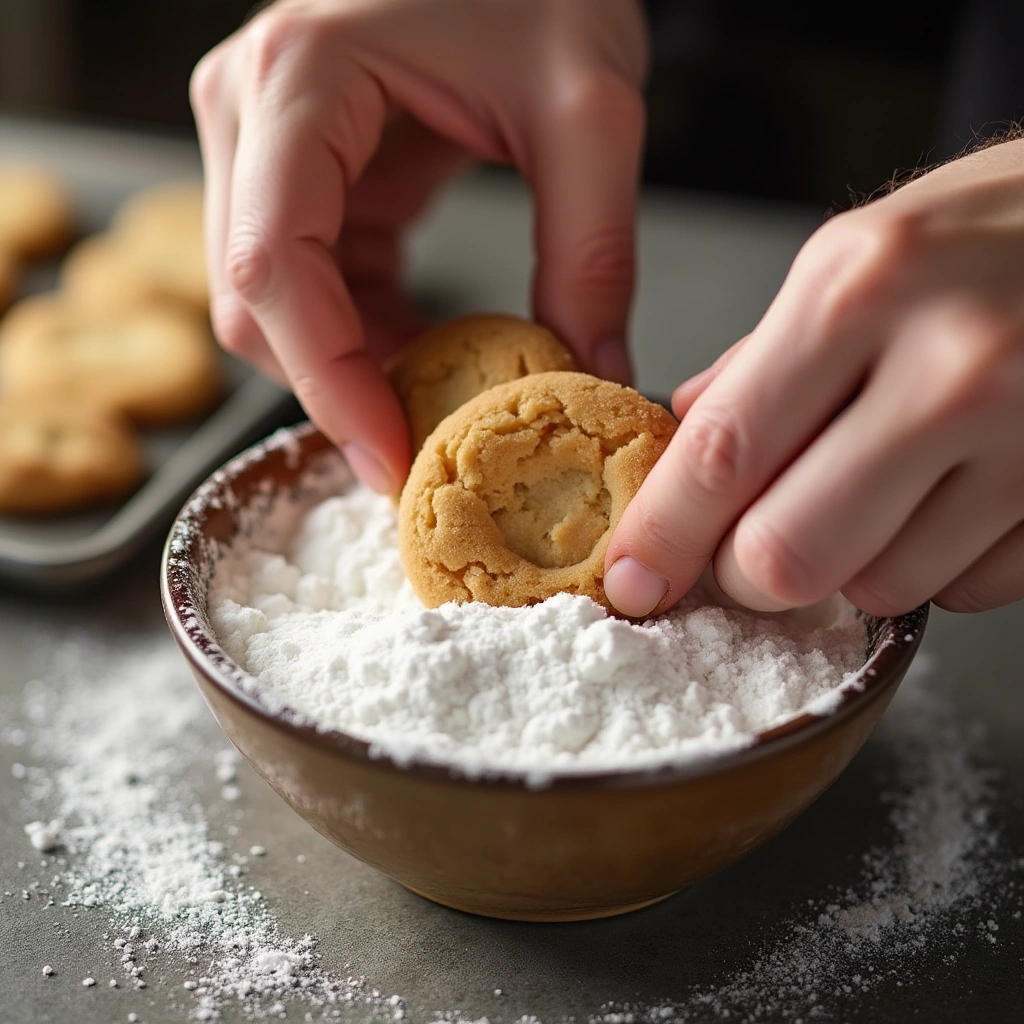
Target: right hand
327,125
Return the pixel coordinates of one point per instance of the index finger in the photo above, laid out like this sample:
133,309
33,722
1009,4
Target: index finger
776,392
292,164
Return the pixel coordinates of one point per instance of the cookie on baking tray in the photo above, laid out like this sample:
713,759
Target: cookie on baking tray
169,208
154,364
161,228
56,456
451,363
103,273
514,496
153,250
36,212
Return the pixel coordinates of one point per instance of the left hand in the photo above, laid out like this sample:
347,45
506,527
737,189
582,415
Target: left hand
868,435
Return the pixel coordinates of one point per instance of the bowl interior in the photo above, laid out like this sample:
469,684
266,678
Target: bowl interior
243,502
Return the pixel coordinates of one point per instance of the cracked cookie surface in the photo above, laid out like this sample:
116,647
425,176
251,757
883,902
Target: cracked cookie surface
453,362
58,457
514,496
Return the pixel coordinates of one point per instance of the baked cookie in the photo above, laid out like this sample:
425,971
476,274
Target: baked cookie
513,498
36,212
154,250
152,363
58,456
170,208
451,363
108,272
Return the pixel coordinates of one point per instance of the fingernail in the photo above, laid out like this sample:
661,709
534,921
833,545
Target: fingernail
368,467
612,361
633,589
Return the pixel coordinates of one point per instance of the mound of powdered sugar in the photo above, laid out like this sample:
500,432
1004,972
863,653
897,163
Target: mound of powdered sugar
332,630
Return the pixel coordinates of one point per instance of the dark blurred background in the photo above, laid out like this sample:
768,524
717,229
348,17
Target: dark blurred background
808,102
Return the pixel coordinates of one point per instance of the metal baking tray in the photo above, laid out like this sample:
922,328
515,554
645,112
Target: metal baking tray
103,167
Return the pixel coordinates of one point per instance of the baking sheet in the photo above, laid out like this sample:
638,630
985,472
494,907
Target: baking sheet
102,168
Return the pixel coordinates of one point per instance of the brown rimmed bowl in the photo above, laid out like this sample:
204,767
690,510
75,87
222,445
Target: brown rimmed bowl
586,845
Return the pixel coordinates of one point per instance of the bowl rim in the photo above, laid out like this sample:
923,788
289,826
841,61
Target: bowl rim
187,618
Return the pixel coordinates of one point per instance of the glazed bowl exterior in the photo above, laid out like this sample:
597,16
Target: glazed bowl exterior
586,845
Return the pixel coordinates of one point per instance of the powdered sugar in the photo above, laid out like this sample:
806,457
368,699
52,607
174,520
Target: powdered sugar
332,630
106,720
939,882
118,729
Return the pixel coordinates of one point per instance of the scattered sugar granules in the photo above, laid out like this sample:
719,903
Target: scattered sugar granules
117,729
137,846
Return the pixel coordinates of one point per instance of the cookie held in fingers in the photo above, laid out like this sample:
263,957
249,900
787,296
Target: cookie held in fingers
36,213
453,362
59,456
154,364
513,498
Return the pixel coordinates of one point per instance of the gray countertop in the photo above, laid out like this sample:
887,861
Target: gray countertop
746,943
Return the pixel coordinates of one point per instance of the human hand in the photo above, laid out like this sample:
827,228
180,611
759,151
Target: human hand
326,126
868,435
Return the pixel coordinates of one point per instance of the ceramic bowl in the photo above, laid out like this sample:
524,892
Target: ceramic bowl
584,846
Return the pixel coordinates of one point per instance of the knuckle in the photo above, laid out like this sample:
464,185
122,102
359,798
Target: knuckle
269,37
772,565
974,364
658,533
859,262
205,84
712,452
606,260
600,96
248,263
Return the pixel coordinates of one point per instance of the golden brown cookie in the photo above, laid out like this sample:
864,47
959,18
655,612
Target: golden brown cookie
108,272
152,363
154,250
36,212
56,457
170,208
513,498
451,363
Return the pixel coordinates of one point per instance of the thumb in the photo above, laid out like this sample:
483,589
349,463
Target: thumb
583,167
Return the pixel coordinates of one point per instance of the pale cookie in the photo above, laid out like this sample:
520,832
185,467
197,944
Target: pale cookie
154,364
57,457
154,250
36,212
513,498
453,362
